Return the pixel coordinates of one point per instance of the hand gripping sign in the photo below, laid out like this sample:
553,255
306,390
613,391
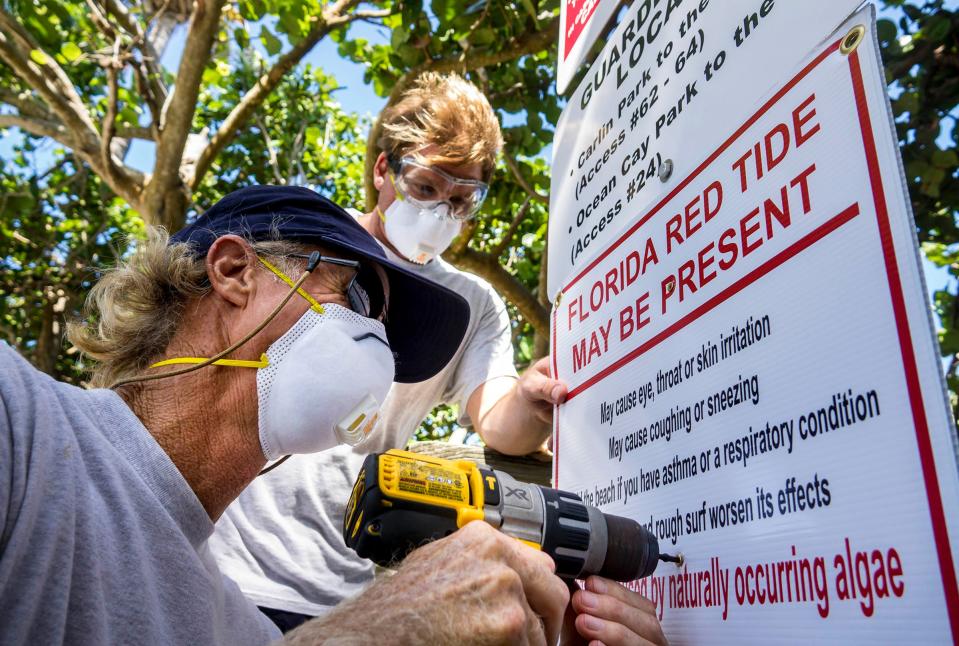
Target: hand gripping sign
753,376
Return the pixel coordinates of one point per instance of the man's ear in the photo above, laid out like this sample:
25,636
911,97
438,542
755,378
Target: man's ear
379,172
231,264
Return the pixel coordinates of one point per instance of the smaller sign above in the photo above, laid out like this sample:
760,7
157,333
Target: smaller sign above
580,23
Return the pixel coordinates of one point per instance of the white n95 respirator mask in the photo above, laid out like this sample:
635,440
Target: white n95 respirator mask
324,383
419,233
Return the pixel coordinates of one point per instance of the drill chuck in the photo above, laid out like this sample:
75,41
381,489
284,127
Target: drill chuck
402,500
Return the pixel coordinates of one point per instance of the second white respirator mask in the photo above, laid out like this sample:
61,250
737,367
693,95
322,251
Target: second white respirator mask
325,382
419,234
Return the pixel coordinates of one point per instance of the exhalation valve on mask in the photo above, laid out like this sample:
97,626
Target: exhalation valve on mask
359,422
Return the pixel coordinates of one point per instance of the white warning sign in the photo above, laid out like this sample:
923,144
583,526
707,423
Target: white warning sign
753,377
670,72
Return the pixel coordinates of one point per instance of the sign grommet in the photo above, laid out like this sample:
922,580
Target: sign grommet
852,39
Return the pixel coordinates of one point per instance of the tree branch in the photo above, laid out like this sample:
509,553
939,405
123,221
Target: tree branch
529,43
48,80
26,104
151,60
541,340
108,129
488,267
331,18
166,185
498,250
56,89
521,180
296,151
37,127
135,132
271,151
369,14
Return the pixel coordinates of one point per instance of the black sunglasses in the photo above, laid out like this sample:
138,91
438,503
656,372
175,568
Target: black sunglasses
365,291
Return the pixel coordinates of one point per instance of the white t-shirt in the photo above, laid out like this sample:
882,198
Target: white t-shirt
282,541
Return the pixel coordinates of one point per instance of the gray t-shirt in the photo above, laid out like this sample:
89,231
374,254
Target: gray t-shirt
282,541
102,541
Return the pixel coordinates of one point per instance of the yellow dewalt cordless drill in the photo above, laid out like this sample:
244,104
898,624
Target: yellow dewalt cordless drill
402,500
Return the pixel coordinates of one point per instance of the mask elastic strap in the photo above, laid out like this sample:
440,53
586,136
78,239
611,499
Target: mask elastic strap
274,465
396,191
233,363
310,266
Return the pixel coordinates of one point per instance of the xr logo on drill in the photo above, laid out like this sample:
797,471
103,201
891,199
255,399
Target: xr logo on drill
518,492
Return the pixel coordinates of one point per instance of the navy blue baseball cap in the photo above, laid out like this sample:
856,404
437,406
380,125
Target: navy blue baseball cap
426,321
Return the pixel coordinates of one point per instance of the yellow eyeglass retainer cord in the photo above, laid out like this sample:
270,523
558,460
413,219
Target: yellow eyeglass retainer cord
310,266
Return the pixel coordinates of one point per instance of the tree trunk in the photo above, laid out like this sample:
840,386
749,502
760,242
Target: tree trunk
48,341
541,337
165,208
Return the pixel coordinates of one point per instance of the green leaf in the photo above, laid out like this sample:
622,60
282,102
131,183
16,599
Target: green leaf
409,55
483,37
445,10
886,30
212,77
932,181
937,28
242,37
270,42
399,37
291,26
531,11
907,102
38,57
946,159
71,52
314,135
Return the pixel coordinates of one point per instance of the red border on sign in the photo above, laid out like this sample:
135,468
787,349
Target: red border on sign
923,439
555,414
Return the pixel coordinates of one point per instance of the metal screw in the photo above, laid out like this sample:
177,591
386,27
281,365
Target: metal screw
666,170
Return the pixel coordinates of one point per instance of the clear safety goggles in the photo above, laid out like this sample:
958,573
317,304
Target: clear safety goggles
430,188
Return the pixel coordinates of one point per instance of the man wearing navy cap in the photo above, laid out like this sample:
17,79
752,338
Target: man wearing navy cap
272,326
281,541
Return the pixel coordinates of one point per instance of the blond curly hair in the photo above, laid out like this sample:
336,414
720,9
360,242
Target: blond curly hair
448,111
